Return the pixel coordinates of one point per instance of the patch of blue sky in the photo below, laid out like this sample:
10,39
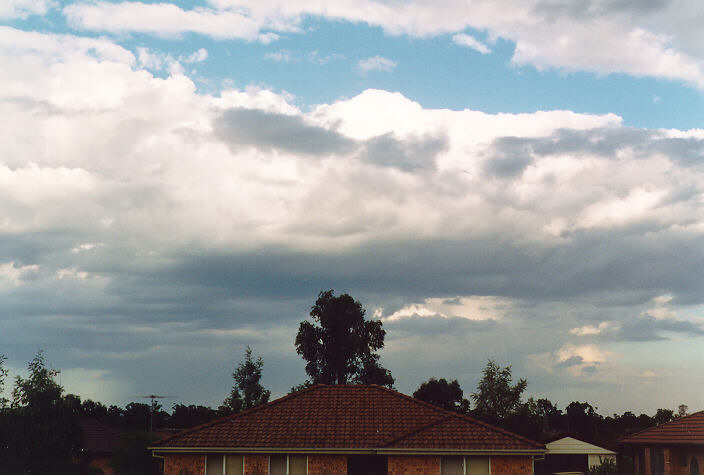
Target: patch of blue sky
319,65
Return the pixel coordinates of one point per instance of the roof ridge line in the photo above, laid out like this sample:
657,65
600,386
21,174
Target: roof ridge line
417,430
471,419
241,413
500,429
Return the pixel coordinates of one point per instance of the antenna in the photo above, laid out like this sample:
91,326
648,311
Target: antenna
152,407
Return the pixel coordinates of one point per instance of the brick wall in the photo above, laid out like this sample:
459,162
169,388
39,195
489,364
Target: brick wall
256,465
327,465
506,465
414,465
194,463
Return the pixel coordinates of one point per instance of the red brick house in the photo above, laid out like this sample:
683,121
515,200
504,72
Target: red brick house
331,430
674,448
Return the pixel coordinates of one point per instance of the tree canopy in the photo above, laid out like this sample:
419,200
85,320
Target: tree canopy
247,391
441,393
496,398
340,345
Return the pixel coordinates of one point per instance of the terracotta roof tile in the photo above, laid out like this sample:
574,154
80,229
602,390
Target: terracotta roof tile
349,417
687,430
99,437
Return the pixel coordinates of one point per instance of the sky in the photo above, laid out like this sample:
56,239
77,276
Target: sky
516,180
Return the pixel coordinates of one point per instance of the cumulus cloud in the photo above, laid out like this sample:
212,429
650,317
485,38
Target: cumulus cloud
137,206
10,9
375,63
656,39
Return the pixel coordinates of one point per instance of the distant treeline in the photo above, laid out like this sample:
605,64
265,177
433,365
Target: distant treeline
40,431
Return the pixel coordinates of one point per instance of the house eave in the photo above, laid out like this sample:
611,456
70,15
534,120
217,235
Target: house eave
345,451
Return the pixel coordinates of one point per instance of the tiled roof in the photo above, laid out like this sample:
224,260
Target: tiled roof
687,430
350,417
99,437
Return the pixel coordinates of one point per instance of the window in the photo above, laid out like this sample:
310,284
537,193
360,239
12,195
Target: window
288,465
477,465
452,466
214,464
367,465
219,464
464,465
234,464
694,467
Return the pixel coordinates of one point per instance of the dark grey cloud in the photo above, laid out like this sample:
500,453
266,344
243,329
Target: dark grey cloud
648,328
509,156
271,131
409,155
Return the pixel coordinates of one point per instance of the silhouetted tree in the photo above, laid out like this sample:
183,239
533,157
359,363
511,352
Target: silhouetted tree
663,415
496,398
341,347
247,392
183,417
441,393
43,427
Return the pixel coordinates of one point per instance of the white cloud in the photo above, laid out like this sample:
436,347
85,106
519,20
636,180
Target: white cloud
656,39
463,39
197,57
376,63
14,272
590,329
166,19
10,9
471,308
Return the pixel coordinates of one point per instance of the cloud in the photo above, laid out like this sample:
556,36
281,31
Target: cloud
590,329
375,63
469,41
185,225
197,56
659,40
269,131
10,9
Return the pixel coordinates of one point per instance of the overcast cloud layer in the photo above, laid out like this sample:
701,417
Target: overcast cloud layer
149,230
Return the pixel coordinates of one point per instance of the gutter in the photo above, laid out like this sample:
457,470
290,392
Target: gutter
369,451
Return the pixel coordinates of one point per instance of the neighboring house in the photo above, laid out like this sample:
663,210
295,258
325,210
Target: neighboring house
674,448
337,430
99,444
570,455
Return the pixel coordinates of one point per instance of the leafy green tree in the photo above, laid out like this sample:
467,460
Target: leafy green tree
443,394
606,467
496,398
663,416
340,346
247,392
3,375
45,428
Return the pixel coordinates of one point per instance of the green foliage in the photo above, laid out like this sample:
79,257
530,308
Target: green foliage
606,467
40,430
340,346
496,398
664,415
441,393
3,375
247,392
133,458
